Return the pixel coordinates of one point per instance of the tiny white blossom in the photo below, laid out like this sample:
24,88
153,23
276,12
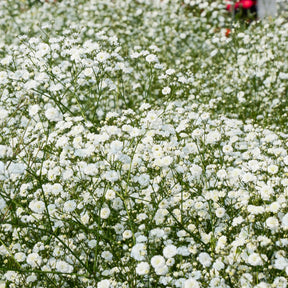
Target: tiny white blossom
69,206
64,267
166,90
205,259
191,283
103,284
142,268
105,213
254,259
170,251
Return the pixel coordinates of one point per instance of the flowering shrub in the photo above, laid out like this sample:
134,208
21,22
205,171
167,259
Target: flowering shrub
141,147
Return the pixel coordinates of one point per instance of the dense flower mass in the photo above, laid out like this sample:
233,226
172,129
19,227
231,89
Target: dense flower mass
142,146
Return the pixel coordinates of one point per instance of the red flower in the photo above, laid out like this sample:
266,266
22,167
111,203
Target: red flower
245,4
228,31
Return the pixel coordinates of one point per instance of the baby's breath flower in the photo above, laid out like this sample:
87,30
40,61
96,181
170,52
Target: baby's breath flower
64,267
166,90
142,268
105,213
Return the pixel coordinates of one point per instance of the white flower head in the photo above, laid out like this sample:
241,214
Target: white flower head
272,169
20,256
254,259
272,223
169,251
139,251
151,58
157,261
37,206
162,270
3,204
64,267
166,90
105,213
205,259
142,268
53,114
33,110
69,206
34,260
284,221
102,56
42,50
281,263
191,283
103,284
220,212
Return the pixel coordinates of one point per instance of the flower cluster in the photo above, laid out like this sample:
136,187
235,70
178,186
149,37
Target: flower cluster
138,147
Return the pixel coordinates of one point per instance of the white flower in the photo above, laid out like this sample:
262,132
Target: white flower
222,174
284,221
281,263
170,251
110,194
161,270
142,268
64,267
16,168
33,110
272,223
191,283
127,234
166,90
103,284
69,206
266,191
111,176
164,161
157,151
88,71
92,243
30,279
157,261
221,243
105,213
3,114
56,189
20,257
144,180
218,265
53,114
170,71
37,206
107,255
3,204
205,259
238,220
102,56
151,58
280,282
139,251
272,169
34,260
11,276
42,50
213,137
274,207
115,147
31,84
254,259
220,212
227,149
196,171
